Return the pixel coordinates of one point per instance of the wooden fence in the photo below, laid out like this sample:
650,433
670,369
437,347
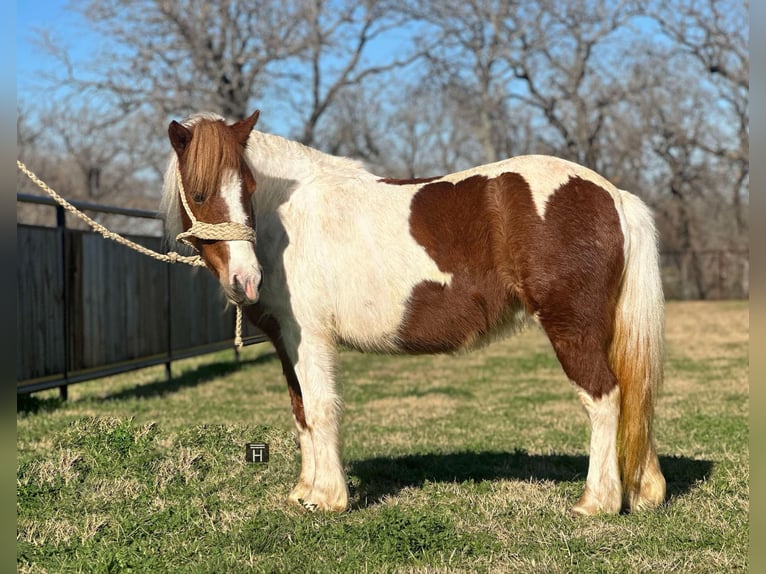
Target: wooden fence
88,307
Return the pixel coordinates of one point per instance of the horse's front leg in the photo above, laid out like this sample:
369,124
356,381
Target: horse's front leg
317,410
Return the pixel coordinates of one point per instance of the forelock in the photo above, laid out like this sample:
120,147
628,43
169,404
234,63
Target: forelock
212,152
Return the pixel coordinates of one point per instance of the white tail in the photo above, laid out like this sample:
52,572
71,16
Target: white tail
636,357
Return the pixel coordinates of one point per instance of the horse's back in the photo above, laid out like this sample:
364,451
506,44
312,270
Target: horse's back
543,174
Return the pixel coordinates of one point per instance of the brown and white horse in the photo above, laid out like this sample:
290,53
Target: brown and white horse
430,266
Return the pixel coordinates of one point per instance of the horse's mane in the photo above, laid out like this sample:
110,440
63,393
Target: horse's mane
170,202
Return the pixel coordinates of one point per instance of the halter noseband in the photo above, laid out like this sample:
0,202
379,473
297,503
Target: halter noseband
226,231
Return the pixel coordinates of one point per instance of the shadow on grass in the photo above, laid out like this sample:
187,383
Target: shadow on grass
30,404
189,379
386,476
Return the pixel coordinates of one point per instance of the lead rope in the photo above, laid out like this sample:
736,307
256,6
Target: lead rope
227,231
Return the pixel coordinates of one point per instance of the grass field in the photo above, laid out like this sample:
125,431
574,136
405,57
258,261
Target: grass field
456,464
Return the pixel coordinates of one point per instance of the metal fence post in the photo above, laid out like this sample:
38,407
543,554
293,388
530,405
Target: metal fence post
61,226
169,312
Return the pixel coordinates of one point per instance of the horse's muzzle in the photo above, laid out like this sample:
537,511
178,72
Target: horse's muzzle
244,288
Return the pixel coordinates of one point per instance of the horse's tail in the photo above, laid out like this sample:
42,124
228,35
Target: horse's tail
636,356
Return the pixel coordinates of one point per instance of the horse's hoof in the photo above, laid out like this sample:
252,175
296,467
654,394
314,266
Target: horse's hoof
313,506
589,505
307,498
580,509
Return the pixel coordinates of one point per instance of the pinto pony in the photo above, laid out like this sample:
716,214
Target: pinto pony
432,266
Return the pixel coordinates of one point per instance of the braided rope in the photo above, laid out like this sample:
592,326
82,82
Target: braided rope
170,257
228,231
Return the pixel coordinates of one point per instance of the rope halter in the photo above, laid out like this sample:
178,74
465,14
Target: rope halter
226,231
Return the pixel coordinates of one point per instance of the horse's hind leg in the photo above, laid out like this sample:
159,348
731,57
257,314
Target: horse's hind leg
584,357
603,489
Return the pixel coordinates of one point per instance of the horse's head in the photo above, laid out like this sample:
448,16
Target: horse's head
216,207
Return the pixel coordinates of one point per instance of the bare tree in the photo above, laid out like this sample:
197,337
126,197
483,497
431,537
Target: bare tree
691,118
173,55
404,131
163,59
86,158
714,35
468,60
565,61
339,37
431,134
544,65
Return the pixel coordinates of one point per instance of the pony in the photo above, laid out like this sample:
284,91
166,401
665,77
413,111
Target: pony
436,265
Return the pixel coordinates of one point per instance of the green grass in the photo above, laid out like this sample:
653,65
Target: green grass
455,464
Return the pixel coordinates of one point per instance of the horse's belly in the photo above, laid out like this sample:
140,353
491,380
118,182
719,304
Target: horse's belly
370,320
433,316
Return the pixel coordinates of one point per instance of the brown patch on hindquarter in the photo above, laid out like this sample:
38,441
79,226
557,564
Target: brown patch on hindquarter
565,268
569,266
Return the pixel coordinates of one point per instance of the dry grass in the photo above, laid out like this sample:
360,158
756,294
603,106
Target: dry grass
702,330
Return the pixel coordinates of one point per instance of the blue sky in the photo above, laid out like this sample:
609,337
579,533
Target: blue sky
64,24
31,15
70,30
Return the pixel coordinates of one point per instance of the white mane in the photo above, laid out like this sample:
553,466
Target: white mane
169,204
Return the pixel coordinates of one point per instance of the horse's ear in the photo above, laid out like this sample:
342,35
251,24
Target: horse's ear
243,128
180,136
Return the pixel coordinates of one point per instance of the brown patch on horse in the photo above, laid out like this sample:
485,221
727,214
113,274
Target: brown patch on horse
454,223
564,267
570,266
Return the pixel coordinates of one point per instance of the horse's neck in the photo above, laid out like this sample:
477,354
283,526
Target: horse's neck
281,166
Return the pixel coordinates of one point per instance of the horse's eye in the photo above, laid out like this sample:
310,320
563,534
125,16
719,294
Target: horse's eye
198,197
